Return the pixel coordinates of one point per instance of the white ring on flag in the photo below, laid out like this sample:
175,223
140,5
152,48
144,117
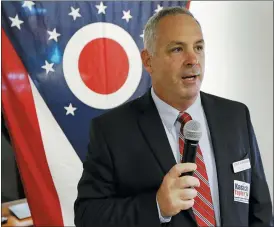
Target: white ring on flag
71,72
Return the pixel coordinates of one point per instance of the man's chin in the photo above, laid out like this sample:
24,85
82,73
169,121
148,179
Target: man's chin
190,94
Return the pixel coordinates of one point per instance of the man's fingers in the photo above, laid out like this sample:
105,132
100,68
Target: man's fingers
187,194
170,196
186,204
187,182
180,168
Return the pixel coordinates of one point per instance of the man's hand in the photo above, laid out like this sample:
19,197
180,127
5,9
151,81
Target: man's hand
175,193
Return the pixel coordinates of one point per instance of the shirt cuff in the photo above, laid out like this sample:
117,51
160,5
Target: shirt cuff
162,219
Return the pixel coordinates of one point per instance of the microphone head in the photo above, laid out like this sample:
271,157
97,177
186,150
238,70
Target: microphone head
192,130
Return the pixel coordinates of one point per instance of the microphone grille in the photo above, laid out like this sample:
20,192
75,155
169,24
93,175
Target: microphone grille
192,130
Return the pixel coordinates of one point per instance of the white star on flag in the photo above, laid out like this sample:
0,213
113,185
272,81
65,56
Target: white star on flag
53,35
70,109
28,4
127,15
48,67
159,8
16,22
101,8
75,13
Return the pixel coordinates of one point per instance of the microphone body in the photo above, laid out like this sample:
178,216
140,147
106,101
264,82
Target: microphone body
190,150
192,133
189,155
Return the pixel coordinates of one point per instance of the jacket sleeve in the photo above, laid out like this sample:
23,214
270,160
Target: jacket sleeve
260,209
97,203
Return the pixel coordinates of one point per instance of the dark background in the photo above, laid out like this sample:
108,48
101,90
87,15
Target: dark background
12,188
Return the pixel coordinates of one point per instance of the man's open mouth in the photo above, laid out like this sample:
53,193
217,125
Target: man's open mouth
190,77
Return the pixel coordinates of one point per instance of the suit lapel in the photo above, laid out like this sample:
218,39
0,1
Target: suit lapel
152,127
217,126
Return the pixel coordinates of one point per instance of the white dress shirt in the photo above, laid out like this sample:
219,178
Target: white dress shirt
169,117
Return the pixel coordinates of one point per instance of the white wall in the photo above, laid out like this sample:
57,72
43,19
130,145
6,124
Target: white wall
239,62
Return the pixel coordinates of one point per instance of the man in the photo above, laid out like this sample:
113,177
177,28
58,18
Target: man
132,175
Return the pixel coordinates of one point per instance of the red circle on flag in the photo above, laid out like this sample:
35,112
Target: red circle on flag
103,66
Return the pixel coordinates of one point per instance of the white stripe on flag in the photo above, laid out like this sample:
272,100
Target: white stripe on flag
64,164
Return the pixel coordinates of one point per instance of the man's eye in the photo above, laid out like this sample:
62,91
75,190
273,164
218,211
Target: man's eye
177,49
200,48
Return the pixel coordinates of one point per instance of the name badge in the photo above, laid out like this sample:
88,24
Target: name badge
241,165
241,191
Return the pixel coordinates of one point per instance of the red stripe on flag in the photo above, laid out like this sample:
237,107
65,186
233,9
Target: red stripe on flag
20,114
188,4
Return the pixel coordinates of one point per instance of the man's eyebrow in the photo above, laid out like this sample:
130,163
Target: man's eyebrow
201,41
174,42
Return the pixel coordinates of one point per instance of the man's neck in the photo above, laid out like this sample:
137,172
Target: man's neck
180,104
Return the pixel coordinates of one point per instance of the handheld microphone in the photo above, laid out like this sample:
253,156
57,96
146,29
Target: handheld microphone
192,134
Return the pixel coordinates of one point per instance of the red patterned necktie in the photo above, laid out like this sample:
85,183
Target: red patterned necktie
203,206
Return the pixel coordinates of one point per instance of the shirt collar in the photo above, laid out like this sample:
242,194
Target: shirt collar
169,114
195,108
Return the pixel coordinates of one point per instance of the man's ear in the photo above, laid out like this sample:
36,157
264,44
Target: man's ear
146,59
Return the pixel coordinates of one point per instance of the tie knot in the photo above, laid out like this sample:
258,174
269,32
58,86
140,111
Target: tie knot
185,117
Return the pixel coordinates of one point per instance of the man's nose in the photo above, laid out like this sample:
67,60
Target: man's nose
191,59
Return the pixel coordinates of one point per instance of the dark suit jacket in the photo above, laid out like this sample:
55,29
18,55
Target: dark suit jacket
129,154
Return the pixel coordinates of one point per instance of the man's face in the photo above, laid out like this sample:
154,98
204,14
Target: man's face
177,65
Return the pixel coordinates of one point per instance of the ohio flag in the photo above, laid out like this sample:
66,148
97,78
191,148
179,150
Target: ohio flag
64,63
